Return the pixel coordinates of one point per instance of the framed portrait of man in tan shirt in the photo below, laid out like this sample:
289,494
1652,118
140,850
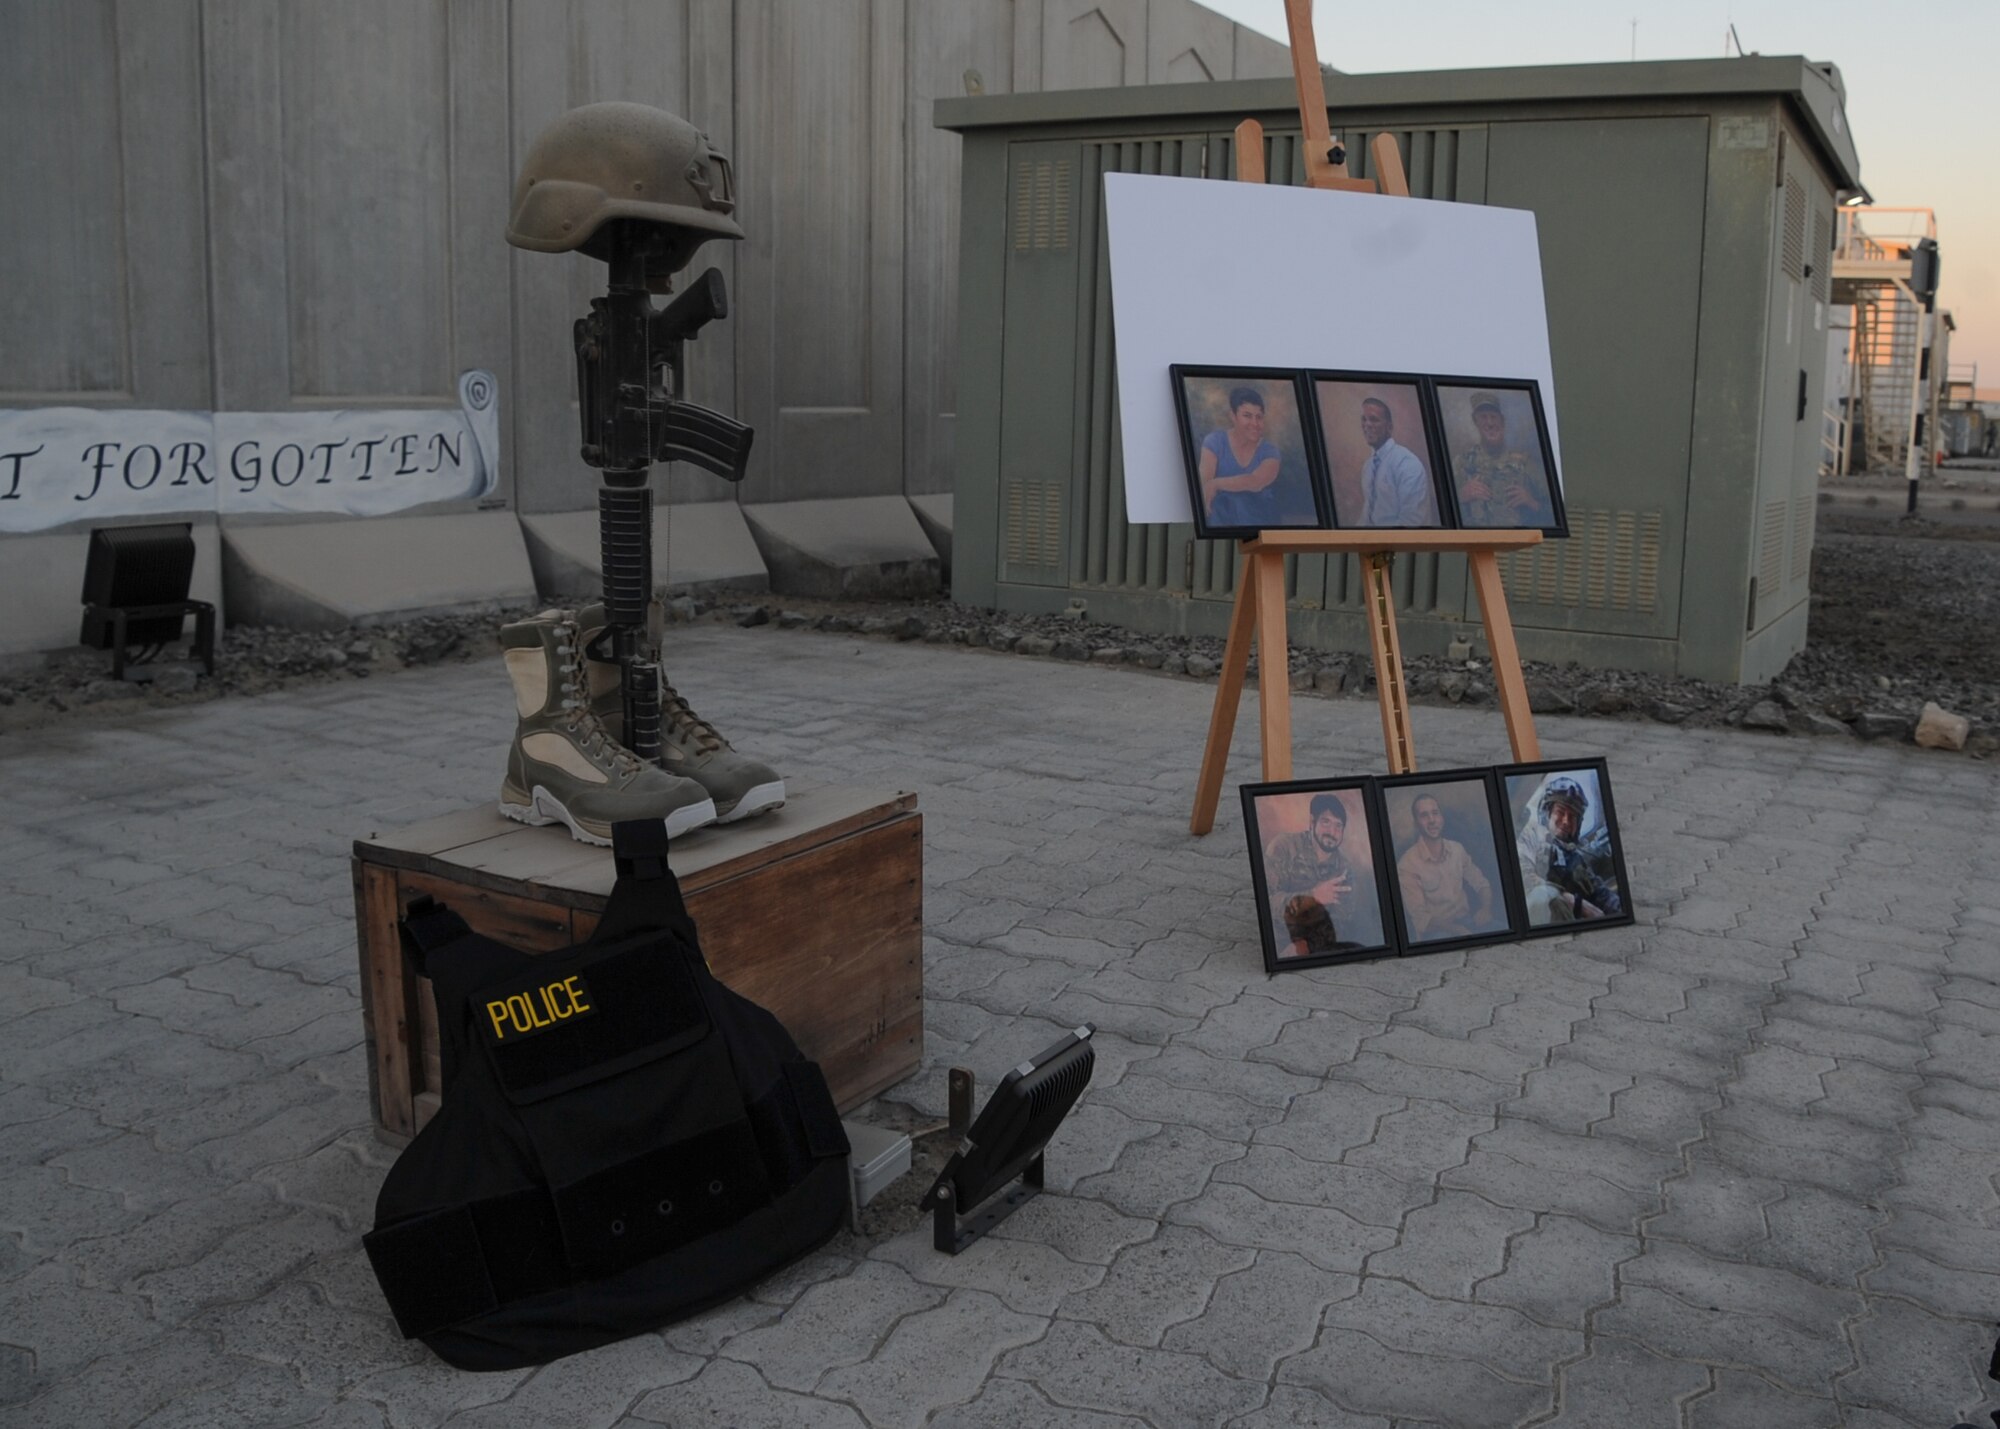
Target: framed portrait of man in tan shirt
1444,836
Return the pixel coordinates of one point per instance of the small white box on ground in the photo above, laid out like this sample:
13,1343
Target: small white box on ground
878,1157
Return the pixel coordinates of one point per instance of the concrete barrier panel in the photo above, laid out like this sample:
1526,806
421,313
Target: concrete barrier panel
327,575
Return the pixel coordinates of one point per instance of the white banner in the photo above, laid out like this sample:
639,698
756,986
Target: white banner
63,464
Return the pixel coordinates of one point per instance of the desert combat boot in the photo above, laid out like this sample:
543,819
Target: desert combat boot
690,745
564,764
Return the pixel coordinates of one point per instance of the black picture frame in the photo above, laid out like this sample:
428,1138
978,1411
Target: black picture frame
1471,817
1297,498
1522,788
1520,401
1275,811
1344,453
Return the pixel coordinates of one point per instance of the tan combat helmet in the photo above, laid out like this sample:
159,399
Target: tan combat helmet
621,160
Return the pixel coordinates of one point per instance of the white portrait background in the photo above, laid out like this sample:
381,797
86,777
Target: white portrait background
1219,273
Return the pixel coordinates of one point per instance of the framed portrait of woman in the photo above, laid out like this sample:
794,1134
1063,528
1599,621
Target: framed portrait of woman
1502,467
1243,434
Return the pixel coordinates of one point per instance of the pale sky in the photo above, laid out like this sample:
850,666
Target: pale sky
1922,83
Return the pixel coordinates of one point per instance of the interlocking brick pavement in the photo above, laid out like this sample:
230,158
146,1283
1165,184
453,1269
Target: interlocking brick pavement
1735,1164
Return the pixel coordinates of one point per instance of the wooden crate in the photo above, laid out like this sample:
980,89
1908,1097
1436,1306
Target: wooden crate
814,911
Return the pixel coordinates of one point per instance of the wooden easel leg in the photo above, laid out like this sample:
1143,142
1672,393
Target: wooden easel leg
1228,693
1398,742
1274,665
1510,688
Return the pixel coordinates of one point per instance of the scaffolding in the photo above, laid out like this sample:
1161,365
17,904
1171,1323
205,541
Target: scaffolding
1872,424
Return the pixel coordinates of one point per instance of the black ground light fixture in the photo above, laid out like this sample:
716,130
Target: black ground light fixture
1007,1141
135,593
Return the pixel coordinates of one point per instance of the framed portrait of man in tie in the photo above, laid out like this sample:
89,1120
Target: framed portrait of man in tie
1378,438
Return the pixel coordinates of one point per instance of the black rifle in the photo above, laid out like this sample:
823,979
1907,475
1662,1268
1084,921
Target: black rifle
630,377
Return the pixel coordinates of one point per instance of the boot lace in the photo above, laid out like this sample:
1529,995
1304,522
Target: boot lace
579,719
676,713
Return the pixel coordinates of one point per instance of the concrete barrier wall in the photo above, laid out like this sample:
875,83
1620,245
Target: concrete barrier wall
239,205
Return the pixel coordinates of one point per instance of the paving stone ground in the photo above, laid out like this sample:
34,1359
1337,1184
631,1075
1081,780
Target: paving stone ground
1733,1165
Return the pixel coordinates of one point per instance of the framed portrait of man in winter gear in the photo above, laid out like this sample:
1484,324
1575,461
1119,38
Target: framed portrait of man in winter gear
1567,851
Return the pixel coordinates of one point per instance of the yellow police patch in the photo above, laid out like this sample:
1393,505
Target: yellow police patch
537,1009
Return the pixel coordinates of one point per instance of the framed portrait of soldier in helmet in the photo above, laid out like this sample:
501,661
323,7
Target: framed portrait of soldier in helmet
1569,861
1320,870
1500,465
1449,882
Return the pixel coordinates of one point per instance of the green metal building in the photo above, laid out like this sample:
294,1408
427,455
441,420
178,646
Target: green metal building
1686,214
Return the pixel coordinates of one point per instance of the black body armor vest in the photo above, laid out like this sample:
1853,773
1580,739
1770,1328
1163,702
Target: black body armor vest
622,1140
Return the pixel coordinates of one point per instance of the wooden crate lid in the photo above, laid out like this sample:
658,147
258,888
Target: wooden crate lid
477,846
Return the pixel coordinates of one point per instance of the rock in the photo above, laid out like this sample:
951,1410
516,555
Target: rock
1071,650
1939,728
1545,698
1174,664
910,627
1148,657
1003,637
1453,687
98,691
177,679
361,650
1981,745
755,615
1882,682
1108,655
1813,722
1459,650
1302,679
1666,712
1881,724
874,625
1034,645
1201,667
6,697
1478,692
1786,697
1766,714
1603,699
331,658
430,646
682,610
792,619
838,623
1330,679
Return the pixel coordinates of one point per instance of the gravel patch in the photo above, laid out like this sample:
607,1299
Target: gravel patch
1904,613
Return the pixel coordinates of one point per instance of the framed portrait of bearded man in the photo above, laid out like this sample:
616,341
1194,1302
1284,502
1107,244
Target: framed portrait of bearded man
1320,870
1501,466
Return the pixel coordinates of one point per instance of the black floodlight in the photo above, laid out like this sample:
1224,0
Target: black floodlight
1006,1141
135,592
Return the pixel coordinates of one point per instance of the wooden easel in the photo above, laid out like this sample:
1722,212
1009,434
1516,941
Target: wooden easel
1260,590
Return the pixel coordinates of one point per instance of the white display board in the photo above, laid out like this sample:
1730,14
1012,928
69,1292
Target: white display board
64,464
1218,273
